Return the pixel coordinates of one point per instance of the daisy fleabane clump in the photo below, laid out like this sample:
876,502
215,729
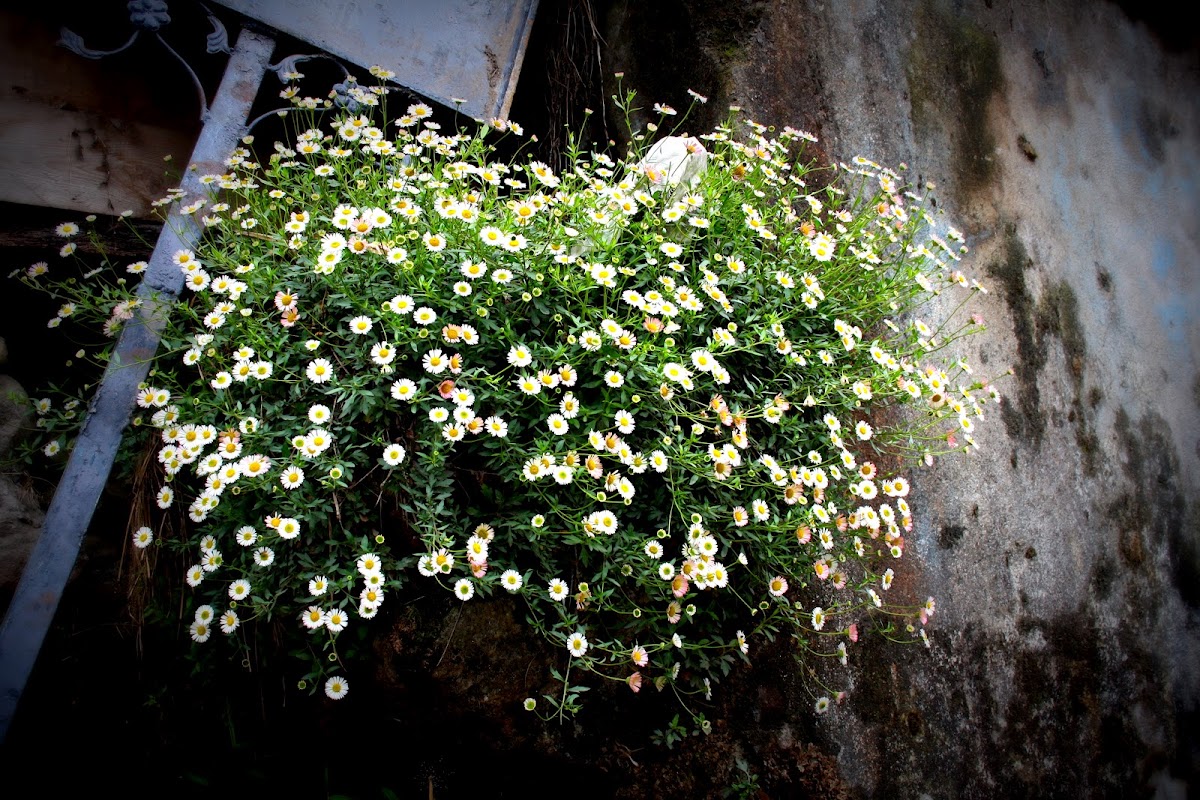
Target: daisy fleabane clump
662,400
92,294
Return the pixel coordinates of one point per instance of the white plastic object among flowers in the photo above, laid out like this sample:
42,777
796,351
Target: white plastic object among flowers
673,162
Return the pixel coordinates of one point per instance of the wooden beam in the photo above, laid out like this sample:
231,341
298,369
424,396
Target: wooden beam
84,161
30,229
82,135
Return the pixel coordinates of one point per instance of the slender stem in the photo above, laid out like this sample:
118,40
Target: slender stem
566,685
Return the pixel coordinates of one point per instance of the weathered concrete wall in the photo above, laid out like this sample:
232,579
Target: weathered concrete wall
1065,554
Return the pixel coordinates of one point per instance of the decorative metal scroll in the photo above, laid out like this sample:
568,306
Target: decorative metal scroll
290,66
150,17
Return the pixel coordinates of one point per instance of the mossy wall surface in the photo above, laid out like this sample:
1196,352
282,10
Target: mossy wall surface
1063,139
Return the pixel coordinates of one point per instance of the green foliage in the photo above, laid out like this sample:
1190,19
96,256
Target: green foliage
648,399
746,785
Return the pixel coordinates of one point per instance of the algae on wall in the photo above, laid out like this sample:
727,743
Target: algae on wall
954,71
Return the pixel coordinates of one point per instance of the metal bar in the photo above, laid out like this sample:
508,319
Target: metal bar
53,557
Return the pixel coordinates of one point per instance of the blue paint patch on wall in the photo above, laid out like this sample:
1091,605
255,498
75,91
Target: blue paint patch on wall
1175,316
1155,186
1163,258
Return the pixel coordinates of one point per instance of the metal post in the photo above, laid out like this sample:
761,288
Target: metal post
53,557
